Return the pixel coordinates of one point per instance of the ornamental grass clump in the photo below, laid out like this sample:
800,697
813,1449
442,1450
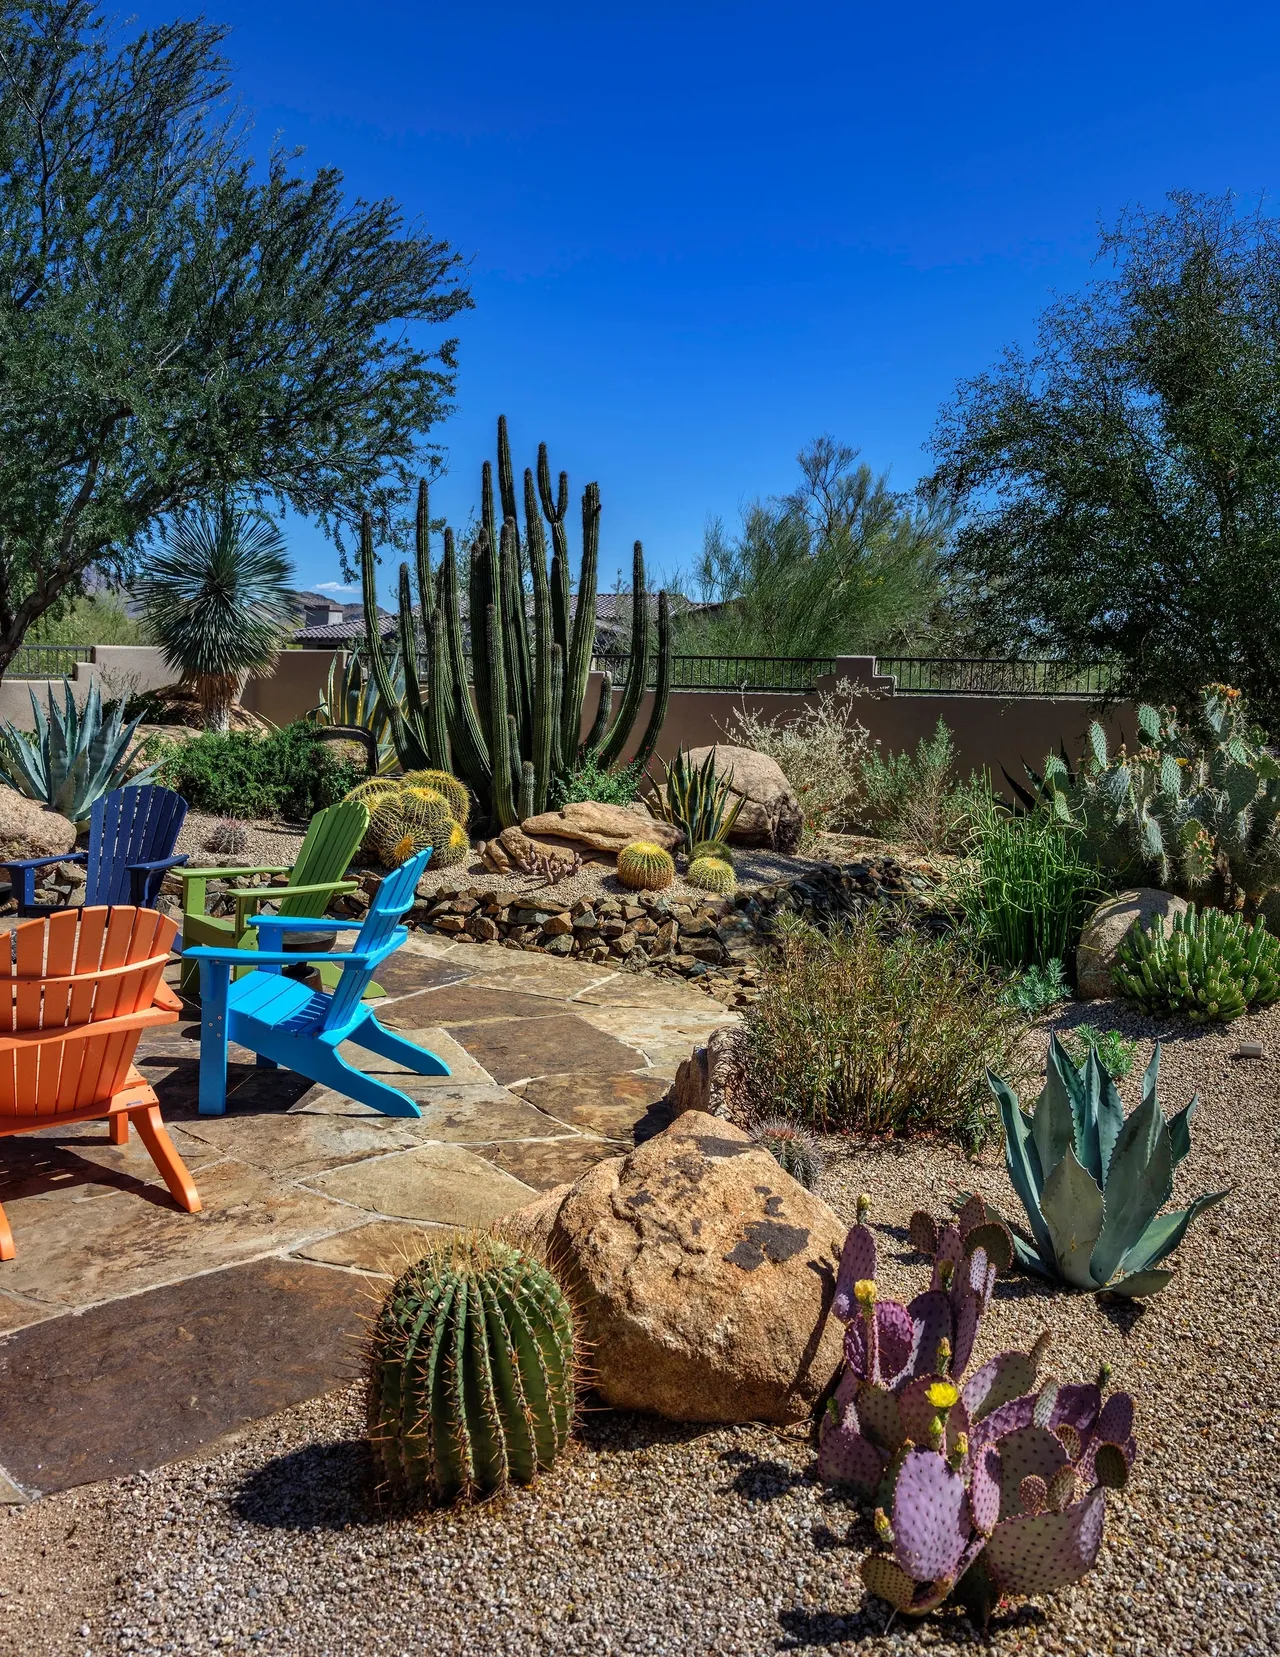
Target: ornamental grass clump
1208,968
869,1032
1027,889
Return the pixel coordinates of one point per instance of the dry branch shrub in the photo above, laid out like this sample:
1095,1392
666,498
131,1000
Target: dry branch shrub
821,754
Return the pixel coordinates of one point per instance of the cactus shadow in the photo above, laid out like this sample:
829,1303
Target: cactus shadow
318,1487
762,1478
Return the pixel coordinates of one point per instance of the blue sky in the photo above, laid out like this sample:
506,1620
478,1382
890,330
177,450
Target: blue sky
700,234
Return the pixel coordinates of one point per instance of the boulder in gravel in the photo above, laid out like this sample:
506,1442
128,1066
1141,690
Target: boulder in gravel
29,829
770,814
703,1275
606,828
1105,929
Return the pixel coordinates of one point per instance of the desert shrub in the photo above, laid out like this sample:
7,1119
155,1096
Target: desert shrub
1026,889
588,782
821,754
921,799
865,1031
1115,1051
1038,989
286,773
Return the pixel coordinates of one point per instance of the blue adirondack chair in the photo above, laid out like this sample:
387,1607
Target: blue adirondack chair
132,833
286,1023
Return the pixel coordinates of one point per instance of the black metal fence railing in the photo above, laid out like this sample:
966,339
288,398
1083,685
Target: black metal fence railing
976,676
776,673
47,661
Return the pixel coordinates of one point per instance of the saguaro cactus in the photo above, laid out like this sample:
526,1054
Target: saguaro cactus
520,730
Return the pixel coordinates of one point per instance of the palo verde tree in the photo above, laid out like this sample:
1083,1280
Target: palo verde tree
178,323
1122,478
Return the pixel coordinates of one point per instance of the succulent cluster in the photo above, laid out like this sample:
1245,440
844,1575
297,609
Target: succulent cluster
421,808
794,1150
982,1486
1092,1181
471,1372
1194,809
73,756
1208,967
645,867
697,801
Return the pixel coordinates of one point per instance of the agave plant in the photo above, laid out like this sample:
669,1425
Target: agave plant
353,705
73,756
1093,1181
696,800
981,1487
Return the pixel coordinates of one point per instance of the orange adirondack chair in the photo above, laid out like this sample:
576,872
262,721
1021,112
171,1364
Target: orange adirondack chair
82,987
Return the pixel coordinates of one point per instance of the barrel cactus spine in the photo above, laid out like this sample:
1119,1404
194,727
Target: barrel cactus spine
405,820
472,1372
645,867
711,875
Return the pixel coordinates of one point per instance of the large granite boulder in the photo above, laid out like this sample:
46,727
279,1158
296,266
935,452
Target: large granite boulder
29,829
770,814
606,828
703,1275
1105,929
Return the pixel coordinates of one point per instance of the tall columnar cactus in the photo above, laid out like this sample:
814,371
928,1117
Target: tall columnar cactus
1092,1181
521,730
471,1372
982,1486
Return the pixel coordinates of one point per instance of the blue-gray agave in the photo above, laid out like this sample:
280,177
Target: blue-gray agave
1092,1181
73,756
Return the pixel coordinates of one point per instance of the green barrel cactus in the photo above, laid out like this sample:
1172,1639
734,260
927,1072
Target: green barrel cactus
711,875
472,1372
454,791
795,1151
718,849
404,820
645,867
1208,968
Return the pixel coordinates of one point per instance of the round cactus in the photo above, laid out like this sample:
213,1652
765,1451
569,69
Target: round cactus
444,782
471,1372
645,867
404,820
457,850
373,789
718,849
711,875
795,1151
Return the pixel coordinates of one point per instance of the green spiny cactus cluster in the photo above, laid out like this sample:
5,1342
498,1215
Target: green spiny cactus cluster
520,733
471,1372
711,875
1194,809
404,818
1208,967
795,1151
645,867
454,791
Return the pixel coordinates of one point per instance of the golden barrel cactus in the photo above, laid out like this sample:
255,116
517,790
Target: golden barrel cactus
645,867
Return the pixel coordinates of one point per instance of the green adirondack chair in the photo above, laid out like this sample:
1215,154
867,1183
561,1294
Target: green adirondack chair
315,879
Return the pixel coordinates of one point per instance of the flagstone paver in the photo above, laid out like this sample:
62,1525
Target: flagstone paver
555,1065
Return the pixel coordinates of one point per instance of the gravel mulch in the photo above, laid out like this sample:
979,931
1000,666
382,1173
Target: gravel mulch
650,1537
264,842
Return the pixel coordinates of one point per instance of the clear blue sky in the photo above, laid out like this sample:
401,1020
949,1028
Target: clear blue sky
702,233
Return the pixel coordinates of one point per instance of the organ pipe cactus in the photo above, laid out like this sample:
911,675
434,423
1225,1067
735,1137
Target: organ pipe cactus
982,1486
471,1372
521,731
1092,1181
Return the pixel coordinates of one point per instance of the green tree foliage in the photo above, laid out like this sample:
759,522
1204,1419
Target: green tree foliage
177,322
1122,478
86,619
841,564
217,600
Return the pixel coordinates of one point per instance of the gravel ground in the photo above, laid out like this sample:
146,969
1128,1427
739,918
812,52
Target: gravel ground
654,1538
265,842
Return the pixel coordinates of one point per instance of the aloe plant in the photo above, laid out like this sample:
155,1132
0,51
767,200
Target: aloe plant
1093,1181
73,756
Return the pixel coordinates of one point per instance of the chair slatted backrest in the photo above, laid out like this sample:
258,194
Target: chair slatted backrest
129,825
53,1075
80,966
394,896
332,840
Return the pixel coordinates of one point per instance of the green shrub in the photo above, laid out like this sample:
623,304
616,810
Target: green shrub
1027,889
1115,1051
1208,968
1038,989
286,773
588,782
865,1032
920,798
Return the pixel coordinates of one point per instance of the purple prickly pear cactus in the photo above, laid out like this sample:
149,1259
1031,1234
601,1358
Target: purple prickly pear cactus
931,1522
1037,1553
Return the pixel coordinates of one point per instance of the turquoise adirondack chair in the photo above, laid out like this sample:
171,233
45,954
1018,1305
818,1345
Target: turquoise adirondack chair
286,1023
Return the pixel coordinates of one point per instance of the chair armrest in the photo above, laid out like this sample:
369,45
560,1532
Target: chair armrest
228,874
303,923
43,862
160,863
270,957
269,894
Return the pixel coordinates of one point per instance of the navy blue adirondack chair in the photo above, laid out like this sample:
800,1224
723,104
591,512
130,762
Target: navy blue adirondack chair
132,833
285,1022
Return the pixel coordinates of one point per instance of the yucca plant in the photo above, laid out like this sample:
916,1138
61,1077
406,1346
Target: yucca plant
1208,968
697,800
73,756
1093,1181
217,600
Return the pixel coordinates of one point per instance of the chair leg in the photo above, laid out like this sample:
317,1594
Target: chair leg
213,1039
118,1126
331,1070
164,1153
6,1238
387,1045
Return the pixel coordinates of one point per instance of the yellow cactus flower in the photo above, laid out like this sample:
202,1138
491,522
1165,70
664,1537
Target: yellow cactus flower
941,1395
864,1291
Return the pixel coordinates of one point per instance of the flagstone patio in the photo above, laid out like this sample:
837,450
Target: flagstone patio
131,1333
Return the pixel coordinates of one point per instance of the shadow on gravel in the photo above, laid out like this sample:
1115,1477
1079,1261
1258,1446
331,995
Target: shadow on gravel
320,1487
619,1431
760,1478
